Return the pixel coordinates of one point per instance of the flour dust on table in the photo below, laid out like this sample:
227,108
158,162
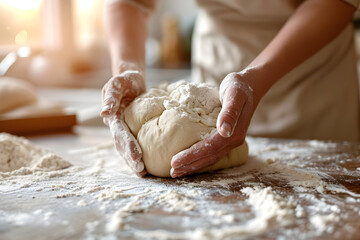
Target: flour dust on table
284,190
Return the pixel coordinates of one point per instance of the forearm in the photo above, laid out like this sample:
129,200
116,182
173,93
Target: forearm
314,24
126,28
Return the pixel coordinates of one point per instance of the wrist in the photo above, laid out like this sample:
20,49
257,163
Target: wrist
124,66
258,79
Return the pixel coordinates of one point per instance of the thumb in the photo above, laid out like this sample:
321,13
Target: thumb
233,102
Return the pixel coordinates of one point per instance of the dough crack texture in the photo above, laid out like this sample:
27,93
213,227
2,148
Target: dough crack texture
170,118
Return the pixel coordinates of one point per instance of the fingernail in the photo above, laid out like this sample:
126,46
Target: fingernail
105,109
172,172
226,128
174,163
139,166
174,175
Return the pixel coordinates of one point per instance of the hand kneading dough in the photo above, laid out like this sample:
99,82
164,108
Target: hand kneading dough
171,118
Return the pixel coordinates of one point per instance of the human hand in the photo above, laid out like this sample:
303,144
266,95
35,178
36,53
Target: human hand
117,94
237,98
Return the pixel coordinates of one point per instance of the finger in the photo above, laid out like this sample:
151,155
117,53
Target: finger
111,97
194,166
198,164
200,155
225,84
106,121
202,148
243,124
126,145
233,103
131,155
141,174
125,141
111,102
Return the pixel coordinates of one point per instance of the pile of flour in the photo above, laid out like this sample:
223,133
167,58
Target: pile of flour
19,156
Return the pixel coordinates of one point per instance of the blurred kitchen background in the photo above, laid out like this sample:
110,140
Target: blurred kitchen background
62,42
60,47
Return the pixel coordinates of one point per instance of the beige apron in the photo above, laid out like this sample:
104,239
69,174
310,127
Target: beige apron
317,100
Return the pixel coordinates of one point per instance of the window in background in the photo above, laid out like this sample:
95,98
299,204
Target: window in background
88,26
68,42
89,36
65,37
20,22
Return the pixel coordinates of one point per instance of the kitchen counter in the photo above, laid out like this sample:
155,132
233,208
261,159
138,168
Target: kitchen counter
287,189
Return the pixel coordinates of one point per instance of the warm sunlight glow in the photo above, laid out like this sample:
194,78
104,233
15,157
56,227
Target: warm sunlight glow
85,5
21,37
21,4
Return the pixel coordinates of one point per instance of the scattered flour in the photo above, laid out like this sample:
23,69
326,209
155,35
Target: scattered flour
117,222
82,203
111,194
174,201
323,223
270,208
271,195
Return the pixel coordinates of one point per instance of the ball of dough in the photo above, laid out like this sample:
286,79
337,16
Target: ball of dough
171,118
15,93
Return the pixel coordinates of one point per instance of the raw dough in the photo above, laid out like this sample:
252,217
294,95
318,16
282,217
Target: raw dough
18,99
15,93
42,107
171,118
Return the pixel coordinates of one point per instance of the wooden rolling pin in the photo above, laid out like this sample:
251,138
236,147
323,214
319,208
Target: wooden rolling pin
39,124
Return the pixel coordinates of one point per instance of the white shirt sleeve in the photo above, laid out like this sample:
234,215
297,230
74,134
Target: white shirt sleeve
148,6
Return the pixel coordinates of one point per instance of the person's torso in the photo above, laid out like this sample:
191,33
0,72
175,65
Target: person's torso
229,34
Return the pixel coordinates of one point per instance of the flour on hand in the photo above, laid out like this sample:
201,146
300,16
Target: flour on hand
171,118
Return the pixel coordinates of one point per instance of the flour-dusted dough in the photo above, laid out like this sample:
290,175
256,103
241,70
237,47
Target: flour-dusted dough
15,93
171,118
